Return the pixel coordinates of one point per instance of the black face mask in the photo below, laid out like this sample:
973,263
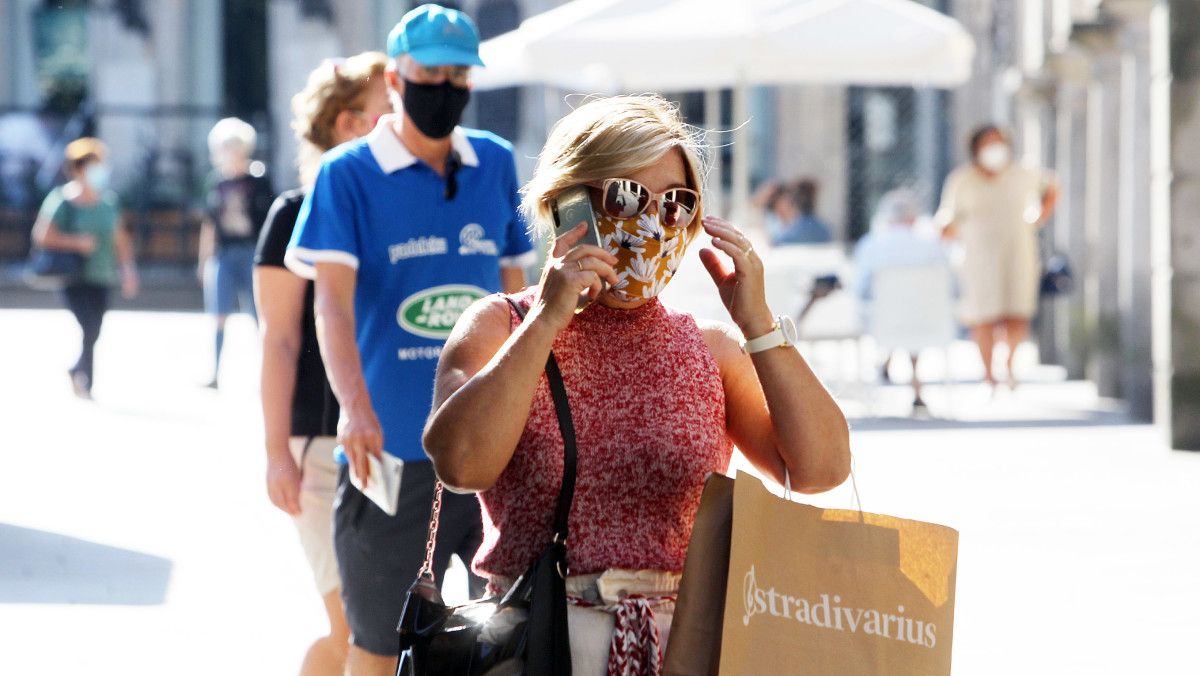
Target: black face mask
435,109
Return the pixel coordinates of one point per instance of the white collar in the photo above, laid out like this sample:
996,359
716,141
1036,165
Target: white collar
391,154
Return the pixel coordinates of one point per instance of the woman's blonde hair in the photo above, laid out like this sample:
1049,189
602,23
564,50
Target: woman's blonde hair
610,137
334,86
81,151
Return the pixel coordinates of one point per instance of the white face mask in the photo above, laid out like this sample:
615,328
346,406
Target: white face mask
994,157
97,176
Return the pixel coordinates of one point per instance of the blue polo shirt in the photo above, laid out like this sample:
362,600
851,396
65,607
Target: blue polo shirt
421,259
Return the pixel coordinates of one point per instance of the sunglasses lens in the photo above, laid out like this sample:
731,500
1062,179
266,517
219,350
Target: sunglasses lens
625,199
677,208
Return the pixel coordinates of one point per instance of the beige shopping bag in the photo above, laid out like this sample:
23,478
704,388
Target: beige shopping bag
818,591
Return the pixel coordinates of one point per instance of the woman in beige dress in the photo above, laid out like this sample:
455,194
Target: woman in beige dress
994,207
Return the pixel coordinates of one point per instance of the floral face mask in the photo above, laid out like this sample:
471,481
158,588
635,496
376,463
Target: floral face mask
648,255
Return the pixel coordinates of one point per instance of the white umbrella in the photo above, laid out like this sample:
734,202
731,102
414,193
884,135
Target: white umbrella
677,45
507,57
864,42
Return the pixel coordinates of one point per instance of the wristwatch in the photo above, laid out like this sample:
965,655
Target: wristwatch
782,334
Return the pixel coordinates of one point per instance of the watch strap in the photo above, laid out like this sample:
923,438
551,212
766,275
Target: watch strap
776,337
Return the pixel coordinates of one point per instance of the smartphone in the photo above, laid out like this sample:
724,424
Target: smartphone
572,207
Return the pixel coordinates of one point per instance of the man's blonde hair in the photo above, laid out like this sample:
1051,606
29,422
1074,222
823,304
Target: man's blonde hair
610,137
333,87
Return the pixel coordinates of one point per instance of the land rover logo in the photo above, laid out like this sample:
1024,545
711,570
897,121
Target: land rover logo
432,313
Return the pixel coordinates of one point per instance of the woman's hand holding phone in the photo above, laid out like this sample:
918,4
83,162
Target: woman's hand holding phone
571,272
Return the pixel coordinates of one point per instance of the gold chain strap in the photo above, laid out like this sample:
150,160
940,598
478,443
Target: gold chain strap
431,543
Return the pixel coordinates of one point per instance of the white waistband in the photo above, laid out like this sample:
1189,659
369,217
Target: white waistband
610,586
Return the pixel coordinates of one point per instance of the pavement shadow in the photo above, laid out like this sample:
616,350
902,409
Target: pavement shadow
42,567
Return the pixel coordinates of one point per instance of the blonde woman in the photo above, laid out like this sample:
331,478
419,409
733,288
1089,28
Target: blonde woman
341,102
658,399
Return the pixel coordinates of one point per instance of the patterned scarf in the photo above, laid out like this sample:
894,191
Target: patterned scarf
636,647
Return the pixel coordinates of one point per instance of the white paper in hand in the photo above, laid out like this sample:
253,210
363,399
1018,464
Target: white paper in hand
383,486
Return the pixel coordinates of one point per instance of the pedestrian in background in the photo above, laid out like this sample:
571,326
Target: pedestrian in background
791,213
993,207
340,103
236,207
402,231
893,242
84,217
657,400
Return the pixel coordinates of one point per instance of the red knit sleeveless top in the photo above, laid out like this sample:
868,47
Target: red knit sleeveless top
649,412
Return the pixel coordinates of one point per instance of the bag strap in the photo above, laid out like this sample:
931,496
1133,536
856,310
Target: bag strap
566,427
68,226
566,494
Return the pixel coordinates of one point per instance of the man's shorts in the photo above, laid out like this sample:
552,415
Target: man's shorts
380,555
318,487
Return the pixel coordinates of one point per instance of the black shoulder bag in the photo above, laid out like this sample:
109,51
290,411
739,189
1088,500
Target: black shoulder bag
523,632
53,269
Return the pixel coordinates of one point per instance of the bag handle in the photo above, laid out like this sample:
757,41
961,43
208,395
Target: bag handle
787,488
566,494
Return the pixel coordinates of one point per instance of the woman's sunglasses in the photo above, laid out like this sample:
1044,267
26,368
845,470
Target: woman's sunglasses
623,198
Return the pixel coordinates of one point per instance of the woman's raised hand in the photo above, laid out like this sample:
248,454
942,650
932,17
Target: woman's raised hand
569,273
742,289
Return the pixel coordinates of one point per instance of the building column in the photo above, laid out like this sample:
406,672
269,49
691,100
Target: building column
1177,221
1065,316
929,164
1102,281
297,45
122,82
1133,232
810,140
21,66
7,53
206,72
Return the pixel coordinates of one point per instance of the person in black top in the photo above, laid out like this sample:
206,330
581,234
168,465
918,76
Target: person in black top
236,207
341,101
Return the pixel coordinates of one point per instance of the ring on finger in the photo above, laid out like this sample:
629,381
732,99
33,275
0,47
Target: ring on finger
579,264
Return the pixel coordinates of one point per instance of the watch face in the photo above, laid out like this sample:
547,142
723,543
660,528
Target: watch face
789,329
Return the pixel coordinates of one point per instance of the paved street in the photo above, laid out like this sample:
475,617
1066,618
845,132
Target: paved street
136,538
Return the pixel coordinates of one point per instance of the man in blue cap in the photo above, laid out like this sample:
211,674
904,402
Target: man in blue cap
402,231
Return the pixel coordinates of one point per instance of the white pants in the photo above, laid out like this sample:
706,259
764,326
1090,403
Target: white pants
592,627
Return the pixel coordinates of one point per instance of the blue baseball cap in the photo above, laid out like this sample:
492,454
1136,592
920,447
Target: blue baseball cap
436,36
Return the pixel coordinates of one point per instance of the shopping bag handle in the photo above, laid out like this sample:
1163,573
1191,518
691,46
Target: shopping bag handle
787,488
